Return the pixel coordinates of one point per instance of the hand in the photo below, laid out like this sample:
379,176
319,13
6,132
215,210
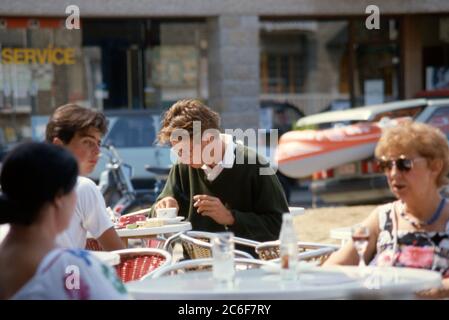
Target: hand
435,293
167,202
214,208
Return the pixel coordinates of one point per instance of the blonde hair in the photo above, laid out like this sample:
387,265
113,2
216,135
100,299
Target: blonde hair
182,114
413,137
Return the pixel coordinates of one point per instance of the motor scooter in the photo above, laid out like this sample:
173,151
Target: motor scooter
116,186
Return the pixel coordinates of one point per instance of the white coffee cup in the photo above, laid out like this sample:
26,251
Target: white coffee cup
166,212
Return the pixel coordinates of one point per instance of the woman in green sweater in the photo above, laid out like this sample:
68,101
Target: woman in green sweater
218,184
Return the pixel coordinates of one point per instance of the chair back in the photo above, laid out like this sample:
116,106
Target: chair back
139,262
201,265
197,245
307,251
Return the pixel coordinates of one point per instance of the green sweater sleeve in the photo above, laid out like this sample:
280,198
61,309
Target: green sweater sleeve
264,223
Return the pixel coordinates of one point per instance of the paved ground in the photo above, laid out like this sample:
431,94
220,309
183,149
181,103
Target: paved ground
316,224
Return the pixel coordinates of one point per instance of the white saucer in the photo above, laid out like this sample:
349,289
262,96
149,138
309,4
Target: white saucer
169,220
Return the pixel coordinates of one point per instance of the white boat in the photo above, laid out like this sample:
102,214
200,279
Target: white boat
301,153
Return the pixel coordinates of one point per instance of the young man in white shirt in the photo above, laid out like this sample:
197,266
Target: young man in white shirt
80,130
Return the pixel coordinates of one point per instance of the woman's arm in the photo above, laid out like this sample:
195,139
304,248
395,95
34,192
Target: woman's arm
347,255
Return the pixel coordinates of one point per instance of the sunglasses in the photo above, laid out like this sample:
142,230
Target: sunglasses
402,164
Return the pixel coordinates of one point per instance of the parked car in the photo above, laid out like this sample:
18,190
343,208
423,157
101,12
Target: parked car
370,113
279,115
338,104
433,94
4,149
133,134
437,114
362,181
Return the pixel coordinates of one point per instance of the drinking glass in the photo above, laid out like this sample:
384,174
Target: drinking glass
360,237
223,257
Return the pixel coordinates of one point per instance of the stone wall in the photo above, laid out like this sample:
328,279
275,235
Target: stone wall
195,8
234,70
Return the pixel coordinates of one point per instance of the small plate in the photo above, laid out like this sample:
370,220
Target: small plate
172,220
169,220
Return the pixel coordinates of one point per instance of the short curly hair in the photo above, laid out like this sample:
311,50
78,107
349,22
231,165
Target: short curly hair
423,139
182,114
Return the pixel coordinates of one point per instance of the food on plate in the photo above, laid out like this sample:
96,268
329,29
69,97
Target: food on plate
124,221
149,223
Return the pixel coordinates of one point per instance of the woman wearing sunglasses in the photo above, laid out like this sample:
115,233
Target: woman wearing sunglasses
412,231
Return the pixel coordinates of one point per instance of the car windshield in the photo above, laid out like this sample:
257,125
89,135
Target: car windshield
132,131
440,119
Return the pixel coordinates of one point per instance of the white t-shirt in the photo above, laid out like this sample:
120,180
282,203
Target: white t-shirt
90,216
4,229
72,274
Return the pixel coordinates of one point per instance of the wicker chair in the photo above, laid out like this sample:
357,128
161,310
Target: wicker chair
137,263
197,244
202,264
308,251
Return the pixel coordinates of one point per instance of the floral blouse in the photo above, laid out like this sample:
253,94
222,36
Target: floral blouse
419,249
72,274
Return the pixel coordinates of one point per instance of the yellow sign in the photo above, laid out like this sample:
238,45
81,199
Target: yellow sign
50,55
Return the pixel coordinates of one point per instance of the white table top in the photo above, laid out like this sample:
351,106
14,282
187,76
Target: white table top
342,282
142,232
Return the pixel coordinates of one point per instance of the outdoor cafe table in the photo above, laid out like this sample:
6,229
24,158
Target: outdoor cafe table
340,282
342,234
152,232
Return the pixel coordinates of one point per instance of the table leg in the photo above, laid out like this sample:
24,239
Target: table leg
125,242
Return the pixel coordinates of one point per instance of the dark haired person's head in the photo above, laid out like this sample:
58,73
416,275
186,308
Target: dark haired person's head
80,130
36,176
190,127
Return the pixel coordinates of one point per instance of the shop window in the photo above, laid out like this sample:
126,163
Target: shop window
176,64
305,61
377,63
41,68
436,53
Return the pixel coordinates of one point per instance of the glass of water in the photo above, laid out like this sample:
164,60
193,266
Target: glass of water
360,238
223,257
